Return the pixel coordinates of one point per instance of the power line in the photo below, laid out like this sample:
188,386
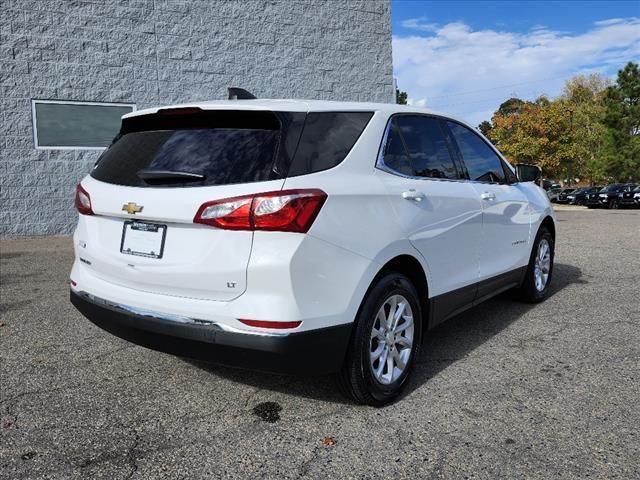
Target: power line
550,97
454,94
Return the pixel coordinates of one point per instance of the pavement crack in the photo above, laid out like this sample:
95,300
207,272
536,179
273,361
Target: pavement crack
132,457
305,466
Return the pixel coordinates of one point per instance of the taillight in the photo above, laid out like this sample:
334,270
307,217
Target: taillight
83,201
282,211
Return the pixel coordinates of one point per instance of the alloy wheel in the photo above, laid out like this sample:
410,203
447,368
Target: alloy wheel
542,266
392,337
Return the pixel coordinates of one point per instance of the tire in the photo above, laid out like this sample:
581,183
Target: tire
358,379
530,290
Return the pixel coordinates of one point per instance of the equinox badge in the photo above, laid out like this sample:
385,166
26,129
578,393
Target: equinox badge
132,208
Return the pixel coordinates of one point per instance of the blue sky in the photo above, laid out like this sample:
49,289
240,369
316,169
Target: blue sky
466,57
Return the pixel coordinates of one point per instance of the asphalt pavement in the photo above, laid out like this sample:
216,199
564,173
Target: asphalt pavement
504,390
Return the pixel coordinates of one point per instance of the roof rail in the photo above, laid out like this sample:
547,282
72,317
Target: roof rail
236,93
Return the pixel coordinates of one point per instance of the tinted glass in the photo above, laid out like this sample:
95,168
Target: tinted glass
75,125
482,162
326,140
395,154
426,146
222,147
222,156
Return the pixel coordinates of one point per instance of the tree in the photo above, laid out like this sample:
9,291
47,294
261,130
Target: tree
584,97
401,97
622,119
485,128
584,89
511,107
592,130
533,132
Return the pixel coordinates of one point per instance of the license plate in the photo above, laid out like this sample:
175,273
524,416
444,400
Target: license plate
143,239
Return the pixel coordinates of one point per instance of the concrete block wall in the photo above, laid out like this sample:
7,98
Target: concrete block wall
157,52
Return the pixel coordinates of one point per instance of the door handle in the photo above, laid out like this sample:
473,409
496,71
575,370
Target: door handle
413,195
488,196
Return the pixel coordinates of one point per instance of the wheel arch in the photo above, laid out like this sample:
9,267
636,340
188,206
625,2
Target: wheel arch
410,266
550,225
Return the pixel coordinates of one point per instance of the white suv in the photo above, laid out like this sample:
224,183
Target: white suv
302,236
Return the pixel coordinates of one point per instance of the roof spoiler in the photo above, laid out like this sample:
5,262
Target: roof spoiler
236,93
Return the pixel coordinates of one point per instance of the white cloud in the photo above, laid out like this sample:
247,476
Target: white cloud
468,73
420,24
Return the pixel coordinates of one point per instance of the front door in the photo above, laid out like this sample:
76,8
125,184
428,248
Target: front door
505,241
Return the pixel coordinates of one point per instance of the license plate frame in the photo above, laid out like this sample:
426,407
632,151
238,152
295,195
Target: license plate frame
142,245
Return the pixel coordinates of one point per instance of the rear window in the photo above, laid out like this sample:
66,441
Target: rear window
191,147
200,149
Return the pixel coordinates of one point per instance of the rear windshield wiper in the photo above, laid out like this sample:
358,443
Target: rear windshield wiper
148,174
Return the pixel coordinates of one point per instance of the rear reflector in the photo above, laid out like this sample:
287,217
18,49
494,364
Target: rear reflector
73,284
282,211
267,324
83,201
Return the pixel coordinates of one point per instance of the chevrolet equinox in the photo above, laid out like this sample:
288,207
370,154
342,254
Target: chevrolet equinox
302,237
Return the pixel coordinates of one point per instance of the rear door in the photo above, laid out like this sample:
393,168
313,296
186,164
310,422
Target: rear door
439,213
147,187
504,243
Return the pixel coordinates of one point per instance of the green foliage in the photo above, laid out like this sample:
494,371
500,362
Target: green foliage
401,97
512,106
485,128
591,131
622,119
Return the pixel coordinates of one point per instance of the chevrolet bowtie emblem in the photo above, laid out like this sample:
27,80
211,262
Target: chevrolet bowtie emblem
132,208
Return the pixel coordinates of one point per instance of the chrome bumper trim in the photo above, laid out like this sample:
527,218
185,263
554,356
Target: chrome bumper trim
167,317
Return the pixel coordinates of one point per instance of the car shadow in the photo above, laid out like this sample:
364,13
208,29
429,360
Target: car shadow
441,347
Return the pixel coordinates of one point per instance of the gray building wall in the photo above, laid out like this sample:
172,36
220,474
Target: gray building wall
158,52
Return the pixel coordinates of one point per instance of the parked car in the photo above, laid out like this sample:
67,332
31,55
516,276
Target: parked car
629,196
553,193
550,184
607,197
255,234
562,197
579,196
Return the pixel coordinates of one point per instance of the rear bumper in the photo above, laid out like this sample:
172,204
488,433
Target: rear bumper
309,352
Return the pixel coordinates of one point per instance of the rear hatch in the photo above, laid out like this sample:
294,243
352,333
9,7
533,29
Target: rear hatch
171,205
147,187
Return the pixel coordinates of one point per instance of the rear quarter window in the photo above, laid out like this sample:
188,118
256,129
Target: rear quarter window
327,138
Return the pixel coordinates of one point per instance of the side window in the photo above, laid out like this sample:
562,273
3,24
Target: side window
327,138
424,143
482,162
395,153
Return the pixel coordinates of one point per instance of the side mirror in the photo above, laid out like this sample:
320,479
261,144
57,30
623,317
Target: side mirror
528,173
